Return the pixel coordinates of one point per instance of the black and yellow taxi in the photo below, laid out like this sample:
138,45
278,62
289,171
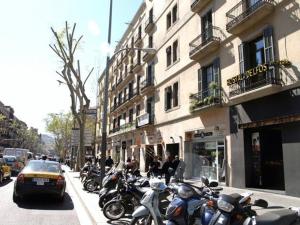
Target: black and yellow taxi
40,177
5,170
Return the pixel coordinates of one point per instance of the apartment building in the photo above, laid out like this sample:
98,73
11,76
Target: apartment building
221,91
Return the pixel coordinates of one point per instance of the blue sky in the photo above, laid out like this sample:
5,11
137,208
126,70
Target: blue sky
27,64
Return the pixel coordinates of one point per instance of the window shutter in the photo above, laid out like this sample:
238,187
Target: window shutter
269,50
241,58
216,70
166,99
199,80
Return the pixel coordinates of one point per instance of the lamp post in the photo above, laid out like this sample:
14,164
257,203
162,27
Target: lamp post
105,100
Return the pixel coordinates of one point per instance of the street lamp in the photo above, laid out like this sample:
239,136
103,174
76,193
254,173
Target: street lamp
105,100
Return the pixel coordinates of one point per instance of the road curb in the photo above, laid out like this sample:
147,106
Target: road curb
81,200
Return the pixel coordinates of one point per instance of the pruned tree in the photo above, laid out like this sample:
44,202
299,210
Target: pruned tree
65,47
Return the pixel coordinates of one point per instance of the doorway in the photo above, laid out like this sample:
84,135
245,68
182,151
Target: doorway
149,156
264,158
172,150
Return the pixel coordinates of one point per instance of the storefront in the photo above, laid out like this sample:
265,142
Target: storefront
206,151
270,130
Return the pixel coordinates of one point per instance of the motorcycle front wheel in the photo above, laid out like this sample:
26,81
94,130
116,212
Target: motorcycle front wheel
91,186
147,220
114,210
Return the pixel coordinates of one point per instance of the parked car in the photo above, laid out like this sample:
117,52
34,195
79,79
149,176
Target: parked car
40,177
13,163
5,172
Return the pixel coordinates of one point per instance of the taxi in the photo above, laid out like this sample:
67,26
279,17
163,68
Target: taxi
5,170
40,177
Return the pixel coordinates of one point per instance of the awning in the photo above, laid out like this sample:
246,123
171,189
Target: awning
271,121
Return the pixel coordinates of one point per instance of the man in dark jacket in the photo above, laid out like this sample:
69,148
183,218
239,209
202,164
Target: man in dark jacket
109,161
168,169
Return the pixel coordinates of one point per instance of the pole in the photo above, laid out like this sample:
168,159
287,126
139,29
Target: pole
105,103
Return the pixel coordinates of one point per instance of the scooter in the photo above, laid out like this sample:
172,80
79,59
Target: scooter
193,205
149,212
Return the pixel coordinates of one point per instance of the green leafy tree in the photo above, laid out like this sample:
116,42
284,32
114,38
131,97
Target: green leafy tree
60,125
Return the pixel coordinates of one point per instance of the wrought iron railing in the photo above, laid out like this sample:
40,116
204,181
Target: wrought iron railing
123,128
242,10
210,34
150,20
210,96
147,83
249,85
138,37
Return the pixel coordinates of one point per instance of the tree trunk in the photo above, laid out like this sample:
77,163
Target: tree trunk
81,150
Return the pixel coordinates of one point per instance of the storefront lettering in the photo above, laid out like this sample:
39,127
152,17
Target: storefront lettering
257,70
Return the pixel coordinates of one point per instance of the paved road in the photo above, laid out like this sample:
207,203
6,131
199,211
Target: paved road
35,211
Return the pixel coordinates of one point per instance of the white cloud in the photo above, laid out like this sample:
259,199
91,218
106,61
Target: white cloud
106,48
94,28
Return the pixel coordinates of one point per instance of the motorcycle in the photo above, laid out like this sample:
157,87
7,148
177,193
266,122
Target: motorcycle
109,184
234,209
149,211
127,198
193,205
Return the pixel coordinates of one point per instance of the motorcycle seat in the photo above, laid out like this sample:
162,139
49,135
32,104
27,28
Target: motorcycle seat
143,189
280,217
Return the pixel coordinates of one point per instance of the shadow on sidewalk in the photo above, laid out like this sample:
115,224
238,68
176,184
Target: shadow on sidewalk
119,222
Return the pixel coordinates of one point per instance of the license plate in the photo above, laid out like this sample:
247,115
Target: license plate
40,181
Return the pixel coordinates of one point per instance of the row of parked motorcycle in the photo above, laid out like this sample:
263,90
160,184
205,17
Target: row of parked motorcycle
148,201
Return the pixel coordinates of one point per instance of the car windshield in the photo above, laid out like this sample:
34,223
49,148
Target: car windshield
10,159
42,166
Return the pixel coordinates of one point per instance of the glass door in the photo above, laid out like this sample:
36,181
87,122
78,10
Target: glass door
208,160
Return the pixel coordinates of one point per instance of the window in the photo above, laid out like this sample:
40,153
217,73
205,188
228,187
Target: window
124,116
206,26
254,53
138,110
150,73
169,20
174,14
130,115
206,76
175,50
172,53
169,56
151,16
140,32
171,96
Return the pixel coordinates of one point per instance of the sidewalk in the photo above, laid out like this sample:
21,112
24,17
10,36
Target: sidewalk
90,200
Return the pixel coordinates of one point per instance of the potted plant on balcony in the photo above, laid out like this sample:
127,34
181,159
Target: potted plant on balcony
213,98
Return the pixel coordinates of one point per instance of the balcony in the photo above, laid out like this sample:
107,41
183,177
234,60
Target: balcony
243,16
206,43
145,120
119,81
149,24
137,66
123,128
257,86
148,55
125,58
206,99
138,40
198,5
147,86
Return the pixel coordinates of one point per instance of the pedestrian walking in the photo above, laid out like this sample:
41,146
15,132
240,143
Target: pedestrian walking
167,169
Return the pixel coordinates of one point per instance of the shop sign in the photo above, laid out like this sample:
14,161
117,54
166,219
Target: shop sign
257,70
203,134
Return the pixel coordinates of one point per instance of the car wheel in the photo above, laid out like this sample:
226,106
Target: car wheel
16,198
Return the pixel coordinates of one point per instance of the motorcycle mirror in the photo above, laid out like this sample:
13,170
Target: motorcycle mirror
213,184
204,180
261,203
